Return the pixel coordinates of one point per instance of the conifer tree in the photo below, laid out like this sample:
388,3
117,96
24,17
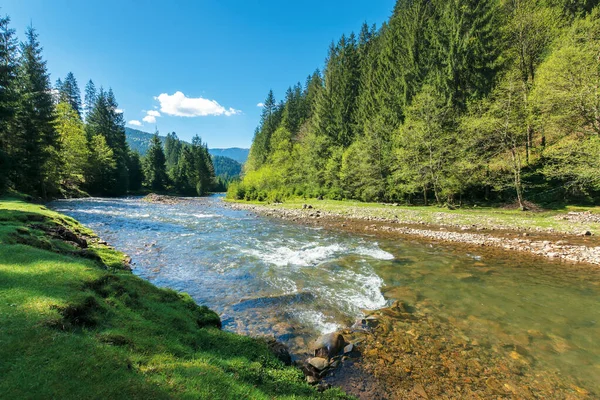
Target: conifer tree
36,139
69,93
90,97
8,97
155,167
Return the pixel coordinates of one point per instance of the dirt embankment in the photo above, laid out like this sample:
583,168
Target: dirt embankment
582,247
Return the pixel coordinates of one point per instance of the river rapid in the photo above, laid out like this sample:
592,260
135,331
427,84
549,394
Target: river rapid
271,277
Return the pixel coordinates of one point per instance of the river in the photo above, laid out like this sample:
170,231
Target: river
267,276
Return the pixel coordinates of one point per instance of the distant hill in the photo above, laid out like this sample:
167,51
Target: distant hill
139,141
226,167
227,162
238,154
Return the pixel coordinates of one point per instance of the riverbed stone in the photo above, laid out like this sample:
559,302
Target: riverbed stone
318,362
328,345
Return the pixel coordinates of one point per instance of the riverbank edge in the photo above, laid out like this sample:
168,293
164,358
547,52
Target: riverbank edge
81,323
581,247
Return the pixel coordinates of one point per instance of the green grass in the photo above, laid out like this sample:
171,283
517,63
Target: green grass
80,328
486,217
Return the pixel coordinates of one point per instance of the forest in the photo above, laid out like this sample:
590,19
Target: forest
487,101
53,144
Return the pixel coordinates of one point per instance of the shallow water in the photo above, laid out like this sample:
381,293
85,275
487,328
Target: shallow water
266,276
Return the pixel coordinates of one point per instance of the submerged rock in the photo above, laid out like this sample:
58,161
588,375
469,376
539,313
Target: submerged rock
318,362
328,345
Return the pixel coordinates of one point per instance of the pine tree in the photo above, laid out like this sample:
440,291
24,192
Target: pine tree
34,132
8,97
104,120
100,175
136,171
155,168
69,92
90,98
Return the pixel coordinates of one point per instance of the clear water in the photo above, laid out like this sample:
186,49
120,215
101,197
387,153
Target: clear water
266,276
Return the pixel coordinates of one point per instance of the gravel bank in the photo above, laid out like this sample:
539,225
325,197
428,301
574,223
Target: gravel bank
582,247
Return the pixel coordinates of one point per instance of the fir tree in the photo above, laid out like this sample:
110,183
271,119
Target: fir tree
90,97
8,98
35,136
155,168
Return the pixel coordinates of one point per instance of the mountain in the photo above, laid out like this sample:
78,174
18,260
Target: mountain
238,154
140,142
227,162
226,167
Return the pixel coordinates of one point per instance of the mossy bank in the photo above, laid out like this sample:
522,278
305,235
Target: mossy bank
76,323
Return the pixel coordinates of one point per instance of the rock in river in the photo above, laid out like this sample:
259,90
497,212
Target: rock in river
328,345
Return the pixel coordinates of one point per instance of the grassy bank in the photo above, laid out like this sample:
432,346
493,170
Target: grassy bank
558,221
75,323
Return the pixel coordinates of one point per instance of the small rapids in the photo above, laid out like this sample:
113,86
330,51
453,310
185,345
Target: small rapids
265,276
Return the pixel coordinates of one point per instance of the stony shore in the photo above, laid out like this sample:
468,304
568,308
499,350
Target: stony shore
580,246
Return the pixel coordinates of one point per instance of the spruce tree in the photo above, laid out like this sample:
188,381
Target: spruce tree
90,98
35,136
69,93
155,168
136,171
8,97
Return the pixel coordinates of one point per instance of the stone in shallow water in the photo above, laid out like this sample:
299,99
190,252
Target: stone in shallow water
328,345
318,362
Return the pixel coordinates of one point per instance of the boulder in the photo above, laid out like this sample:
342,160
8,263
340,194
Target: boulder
328,345
318,362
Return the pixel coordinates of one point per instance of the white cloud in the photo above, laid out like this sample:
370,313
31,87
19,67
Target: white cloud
119,111
260,105
153,113
149,119
135,122
179,105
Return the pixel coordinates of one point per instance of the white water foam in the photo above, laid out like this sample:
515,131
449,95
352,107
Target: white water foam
309,254
376,253
205,215
286,285
318,320
282,256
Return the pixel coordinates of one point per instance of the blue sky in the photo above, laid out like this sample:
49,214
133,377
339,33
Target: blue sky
203,66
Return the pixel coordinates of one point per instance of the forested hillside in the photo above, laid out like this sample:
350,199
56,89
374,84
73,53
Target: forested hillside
225,168
235,153
448,101
53,144
140,141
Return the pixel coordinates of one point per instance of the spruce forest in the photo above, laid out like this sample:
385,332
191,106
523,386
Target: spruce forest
53,144
491,101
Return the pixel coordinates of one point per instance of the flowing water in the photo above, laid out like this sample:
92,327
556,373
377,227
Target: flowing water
266,276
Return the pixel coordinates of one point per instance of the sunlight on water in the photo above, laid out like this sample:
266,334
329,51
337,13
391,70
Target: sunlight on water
265,276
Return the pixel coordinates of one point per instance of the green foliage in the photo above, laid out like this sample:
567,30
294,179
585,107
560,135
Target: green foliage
447,101
226,168
74,145
155,167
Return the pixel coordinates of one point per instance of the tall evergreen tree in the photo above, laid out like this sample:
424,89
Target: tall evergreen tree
90,98
8,97
35,136
155,167
69,92
106,121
